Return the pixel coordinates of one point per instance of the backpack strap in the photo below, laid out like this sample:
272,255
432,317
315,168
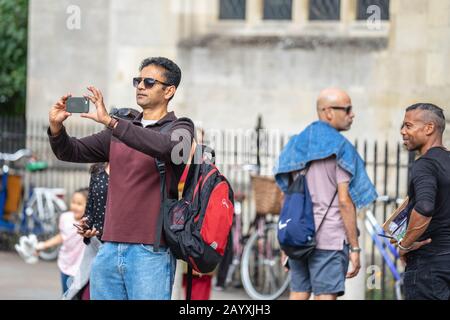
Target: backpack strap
162,175
198,177
159,224
295,174
331,203
189,283
306,169
199,154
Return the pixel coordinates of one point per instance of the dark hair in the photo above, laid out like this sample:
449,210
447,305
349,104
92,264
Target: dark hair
172,72
97,167
435,114
83,191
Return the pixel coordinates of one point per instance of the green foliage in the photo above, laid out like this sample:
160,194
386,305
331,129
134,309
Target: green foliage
13,56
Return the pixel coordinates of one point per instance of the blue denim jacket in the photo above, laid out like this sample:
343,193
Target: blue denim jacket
320,141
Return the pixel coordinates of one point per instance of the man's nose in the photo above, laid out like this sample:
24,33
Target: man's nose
141,85
402,131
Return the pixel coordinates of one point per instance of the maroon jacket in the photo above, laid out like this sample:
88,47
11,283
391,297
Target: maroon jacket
134,197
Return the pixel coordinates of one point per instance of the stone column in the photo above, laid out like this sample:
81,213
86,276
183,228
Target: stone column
254,12
348,12
300,12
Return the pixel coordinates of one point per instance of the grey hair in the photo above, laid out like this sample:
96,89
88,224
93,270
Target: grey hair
434,114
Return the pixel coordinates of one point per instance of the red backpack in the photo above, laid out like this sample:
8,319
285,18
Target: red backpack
197,226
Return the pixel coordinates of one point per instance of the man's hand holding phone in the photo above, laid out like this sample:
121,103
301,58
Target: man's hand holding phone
85,230
101,115
59,112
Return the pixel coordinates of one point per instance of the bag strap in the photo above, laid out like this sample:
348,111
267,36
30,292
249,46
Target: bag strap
162,175
189,283
199,179
331,203
306,169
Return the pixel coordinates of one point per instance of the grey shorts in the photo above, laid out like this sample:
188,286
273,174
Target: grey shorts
322,273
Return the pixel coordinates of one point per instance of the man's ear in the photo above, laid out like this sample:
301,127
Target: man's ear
430,128
170,92
329,114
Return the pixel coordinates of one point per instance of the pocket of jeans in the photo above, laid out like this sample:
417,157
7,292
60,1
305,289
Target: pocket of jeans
149,248
439,287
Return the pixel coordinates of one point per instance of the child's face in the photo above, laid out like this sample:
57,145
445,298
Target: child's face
77,205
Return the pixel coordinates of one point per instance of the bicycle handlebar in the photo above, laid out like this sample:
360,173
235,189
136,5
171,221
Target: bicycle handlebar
16,155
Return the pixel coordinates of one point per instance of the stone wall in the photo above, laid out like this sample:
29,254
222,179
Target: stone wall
233,71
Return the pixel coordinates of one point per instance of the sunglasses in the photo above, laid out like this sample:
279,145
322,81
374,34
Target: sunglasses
148,82
124,113
347,109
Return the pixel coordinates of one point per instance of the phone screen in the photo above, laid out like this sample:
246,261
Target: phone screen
77,105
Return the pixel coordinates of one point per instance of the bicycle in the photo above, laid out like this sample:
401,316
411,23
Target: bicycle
40,216
376,231
262,272
40,211
238,240
229,269
6,159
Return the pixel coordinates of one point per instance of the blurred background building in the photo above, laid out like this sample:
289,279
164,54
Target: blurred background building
241,58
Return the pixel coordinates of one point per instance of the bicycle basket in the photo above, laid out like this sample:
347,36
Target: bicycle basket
268,197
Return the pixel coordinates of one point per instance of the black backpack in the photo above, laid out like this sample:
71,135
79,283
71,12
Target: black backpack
197,226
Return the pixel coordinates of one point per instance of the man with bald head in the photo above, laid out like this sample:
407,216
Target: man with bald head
335,107
425,248
337,183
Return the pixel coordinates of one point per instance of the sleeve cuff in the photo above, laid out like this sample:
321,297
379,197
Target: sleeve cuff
57,136
425,213
120,128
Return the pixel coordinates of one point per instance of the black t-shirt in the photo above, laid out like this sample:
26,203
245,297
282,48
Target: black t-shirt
429,191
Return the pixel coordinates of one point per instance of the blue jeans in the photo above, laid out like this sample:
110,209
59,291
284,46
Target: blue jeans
124,271
64,279
427,277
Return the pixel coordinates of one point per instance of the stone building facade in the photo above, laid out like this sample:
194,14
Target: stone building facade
241,58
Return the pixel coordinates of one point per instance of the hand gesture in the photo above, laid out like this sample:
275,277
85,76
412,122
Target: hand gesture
84,229
101,115
58,114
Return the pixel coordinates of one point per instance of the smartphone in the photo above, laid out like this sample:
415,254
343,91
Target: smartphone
80,228
77,105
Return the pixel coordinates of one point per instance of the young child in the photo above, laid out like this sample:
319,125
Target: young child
71,251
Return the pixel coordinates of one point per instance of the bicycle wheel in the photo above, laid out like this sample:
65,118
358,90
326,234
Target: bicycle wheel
263,275
49,223
43,229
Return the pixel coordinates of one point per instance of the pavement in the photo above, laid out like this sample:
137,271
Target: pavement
41,281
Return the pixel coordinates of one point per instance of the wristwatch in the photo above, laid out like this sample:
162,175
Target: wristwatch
355,249
112,123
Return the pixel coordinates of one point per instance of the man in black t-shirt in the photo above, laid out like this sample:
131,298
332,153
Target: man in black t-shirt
425,248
